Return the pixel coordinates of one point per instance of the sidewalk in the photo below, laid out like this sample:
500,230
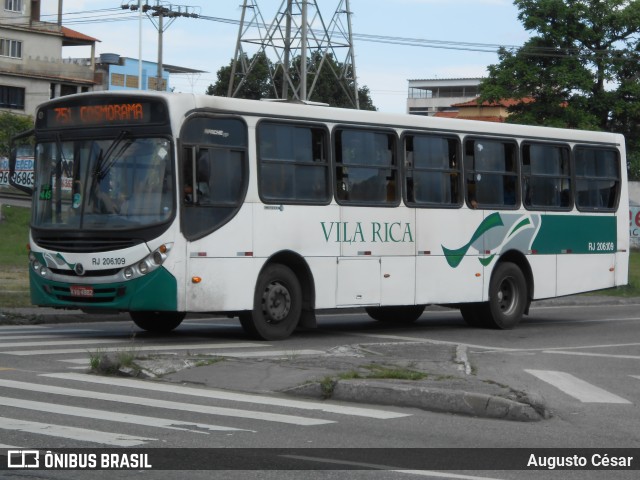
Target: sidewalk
364,373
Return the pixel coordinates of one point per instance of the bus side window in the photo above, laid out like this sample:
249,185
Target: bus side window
546,176
597,179
293,163
491,173
366,167
432,170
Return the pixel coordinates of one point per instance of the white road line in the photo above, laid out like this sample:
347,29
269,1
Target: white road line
39,336
66,341
73,433
153,402
138,348
10,447
107,416
587,354
374,466
235,397
271,353
577,388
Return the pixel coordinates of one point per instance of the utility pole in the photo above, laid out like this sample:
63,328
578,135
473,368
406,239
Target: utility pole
297,29
157,13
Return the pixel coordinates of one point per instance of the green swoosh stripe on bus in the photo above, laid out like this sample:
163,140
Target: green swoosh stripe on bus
454,257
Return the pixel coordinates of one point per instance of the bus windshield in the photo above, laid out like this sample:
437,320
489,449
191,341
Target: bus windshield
117,183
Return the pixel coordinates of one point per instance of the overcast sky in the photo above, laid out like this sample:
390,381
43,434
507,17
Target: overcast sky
383,67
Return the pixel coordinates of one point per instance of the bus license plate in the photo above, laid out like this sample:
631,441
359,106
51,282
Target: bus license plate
81,291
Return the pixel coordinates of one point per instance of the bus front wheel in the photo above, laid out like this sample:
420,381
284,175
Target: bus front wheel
507,297
277,304
157,322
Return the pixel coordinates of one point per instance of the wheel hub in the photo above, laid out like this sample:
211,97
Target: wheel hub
276,302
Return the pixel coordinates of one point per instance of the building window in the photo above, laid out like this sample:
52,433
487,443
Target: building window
10,48
117,79
153,84
13,5
132,81
12,97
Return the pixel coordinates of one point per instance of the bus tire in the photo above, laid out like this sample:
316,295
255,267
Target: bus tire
507,297
277,305
157,322
400,314
474,314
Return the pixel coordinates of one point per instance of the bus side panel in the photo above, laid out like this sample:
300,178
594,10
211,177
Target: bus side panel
226,284
448,269
543,268
306,230
325,273
583,273
398,281
622,268
438,282
358,282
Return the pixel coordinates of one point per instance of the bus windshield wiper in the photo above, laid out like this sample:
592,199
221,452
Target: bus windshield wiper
109,158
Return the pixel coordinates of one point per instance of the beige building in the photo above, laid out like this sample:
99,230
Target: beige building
431,96
32,66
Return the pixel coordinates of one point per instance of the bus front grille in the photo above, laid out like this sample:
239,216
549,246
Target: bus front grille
87,244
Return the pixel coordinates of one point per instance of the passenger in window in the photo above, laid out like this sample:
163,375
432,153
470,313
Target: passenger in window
471,195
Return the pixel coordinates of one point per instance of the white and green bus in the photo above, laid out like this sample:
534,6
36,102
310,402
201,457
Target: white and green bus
166,204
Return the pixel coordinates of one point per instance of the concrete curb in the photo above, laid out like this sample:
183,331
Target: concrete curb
428,398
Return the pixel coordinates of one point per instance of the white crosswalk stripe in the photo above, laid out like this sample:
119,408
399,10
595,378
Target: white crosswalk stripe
106,410
72,433
577,388
117,426
231,396
153,402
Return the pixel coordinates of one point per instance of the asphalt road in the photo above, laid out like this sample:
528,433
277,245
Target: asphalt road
582,360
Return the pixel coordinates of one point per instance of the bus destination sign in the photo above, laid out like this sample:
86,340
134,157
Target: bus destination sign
112,113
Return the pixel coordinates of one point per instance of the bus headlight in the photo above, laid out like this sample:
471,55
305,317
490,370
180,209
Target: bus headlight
143,266
148,264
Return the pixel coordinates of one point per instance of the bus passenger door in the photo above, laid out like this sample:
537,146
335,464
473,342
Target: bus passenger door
217,225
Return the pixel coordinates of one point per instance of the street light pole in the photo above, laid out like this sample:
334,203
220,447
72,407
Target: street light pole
161,9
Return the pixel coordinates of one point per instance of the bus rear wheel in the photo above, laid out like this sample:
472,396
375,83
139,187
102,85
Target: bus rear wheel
157,322
400,314
474,314
507,297
277,304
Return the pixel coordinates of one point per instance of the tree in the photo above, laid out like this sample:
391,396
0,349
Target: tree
580,67
10,125
265,81
256,86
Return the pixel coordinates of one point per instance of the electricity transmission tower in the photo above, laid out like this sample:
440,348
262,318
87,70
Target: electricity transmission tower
298,31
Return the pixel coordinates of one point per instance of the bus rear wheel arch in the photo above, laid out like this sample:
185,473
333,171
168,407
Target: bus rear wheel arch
157,322
277,304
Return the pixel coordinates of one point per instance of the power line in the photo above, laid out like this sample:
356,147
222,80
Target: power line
118,15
